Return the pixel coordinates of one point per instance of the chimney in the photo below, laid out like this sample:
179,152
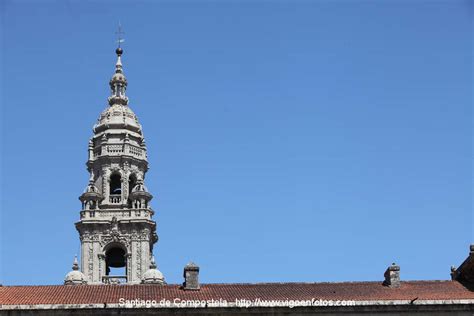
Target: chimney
392,276
191,276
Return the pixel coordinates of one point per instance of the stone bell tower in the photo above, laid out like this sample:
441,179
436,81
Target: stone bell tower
116,228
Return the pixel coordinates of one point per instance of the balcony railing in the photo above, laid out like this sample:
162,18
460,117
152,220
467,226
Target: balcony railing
114,279
120,149
108,214
115,198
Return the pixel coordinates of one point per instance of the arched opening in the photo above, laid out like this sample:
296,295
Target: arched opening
115,264
115,184
132,181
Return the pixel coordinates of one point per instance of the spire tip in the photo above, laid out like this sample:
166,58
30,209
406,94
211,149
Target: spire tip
75,264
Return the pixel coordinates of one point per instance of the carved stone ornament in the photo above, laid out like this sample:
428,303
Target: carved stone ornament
117,147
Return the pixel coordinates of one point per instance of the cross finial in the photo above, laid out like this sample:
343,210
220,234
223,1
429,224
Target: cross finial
119,35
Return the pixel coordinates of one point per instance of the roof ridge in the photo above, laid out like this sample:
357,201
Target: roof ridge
230,283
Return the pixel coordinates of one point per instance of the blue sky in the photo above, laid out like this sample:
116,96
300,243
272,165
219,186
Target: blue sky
288,140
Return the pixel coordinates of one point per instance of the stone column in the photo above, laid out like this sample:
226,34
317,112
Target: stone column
129,273
102,272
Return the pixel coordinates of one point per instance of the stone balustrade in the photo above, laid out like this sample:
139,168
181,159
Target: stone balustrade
114,279
115,198
120,149
109,214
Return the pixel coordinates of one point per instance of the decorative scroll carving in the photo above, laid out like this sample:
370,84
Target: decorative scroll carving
91,261
139,260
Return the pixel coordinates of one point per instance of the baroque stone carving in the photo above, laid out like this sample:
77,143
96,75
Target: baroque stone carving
117,147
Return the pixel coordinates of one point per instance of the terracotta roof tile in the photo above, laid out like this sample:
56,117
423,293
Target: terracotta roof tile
110,294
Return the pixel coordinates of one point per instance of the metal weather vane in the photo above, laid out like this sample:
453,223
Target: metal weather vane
119,33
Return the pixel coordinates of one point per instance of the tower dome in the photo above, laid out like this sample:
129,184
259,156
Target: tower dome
153,275
75,276
118,115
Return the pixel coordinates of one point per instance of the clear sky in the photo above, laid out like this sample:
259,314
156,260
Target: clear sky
288,140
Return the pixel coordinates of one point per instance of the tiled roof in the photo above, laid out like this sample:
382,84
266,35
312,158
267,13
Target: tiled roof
110,294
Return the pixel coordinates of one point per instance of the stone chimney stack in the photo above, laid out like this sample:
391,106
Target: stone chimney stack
392,276
191,276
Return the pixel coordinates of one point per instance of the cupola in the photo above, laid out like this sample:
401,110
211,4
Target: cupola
91,197
140,195
153,275
75,277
